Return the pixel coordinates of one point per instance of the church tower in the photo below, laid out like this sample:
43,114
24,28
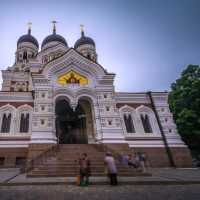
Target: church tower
27,49
17,77
86,46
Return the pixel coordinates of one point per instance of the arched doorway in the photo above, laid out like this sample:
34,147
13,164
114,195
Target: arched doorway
72,126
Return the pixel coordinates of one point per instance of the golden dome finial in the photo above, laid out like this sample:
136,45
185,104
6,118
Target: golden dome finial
82,29
54,25
29,27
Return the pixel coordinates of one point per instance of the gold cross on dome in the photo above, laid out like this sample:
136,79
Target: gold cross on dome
82,27
54,25
54,22
29,25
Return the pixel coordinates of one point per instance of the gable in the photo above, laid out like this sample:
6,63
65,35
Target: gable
87,71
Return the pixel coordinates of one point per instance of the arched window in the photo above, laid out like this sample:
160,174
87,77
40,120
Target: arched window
146,123
6,121
27,123
24,123
20,89
21,123
25,55
129,124
88,56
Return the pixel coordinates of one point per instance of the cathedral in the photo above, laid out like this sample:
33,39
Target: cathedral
61,95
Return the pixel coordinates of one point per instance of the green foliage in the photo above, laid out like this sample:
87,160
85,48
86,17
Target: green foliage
184,102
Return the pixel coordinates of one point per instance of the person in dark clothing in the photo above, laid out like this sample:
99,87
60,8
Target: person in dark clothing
85,171
142,160
131,161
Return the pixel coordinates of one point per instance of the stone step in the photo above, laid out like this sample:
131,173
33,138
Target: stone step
63,162
66,168
74,156
63,166
60,168
66,162
36,171
75,174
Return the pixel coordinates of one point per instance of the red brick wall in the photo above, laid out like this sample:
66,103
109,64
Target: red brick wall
182,157
10,155
157,157
36,149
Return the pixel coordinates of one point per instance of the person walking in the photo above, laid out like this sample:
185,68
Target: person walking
111,168
142,161
124,159
131,162
85,170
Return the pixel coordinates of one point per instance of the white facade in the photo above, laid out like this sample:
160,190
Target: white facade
31,86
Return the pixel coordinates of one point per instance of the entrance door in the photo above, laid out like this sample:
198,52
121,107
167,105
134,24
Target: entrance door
70,125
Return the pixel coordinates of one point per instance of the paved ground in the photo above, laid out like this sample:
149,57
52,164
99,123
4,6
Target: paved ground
6,174
159,176
170,184
100,192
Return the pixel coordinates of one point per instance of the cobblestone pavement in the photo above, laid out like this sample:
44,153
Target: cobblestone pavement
123,192
164,176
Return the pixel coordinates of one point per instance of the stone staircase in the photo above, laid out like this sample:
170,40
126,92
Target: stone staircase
63,161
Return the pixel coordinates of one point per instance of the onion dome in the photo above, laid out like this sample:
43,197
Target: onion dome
54,37
84,40
28,38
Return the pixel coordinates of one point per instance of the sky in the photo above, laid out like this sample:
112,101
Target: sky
146,43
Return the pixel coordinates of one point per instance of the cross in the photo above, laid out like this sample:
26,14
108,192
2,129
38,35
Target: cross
54,22
29,25
82,27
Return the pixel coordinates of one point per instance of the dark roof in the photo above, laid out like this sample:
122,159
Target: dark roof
54,38
84,40
28,38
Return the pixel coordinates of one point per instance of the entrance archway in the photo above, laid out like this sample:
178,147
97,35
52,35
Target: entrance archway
72,126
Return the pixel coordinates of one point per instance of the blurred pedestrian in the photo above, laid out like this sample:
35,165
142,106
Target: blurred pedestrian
142,160
85,170
124,159
131,162
111,168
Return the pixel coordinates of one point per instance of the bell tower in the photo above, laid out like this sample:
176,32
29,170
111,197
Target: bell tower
27,49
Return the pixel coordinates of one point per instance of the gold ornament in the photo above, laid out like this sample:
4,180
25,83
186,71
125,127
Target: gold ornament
72,77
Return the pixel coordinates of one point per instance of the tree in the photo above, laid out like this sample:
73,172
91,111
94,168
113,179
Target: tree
184,102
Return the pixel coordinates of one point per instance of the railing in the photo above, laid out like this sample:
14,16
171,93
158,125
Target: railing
39,159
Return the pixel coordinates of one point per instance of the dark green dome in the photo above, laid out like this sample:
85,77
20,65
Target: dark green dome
54,38
28,38
84,40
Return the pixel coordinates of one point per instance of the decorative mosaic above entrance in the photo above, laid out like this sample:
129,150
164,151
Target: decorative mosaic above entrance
72,77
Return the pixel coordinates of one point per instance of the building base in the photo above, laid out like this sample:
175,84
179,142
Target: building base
157,156
13,156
